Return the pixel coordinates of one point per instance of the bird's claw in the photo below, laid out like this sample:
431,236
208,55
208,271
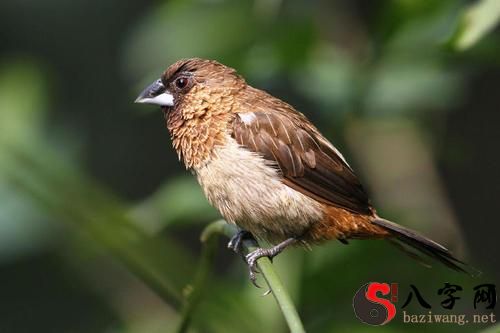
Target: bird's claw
251,260
236,242
253,278
252,268
272,252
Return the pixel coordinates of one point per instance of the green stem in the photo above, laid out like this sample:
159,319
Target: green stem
83,204
86,207
194,293
265,266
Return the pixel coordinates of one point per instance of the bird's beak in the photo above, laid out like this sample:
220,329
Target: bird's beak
156,94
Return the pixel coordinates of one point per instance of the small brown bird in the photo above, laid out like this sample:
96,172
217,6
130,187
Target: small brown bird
266,168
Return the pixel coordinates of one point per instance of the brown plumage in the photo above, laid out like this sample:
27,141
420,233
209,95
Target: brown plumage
264,166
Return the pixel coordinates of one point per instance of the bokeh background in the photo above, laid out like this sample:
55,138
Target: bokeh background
100,224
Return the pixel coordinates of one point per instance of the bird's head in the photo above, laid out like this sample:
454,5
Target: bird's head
192,82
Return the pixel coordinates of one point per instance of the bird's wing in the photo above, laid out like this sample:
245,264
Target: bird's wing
307,161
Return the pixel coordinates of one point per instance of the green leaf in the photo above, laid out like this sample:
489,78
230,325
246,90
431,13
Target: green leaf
183,29
477,20
180,200
62,191
22,99
23,227
405,87
492,329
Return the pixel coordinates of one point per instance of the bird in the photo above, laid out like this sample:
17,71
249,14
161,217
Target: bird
267,169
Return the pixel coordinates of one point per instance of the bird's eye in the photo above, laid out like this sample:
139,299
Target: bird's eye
181,82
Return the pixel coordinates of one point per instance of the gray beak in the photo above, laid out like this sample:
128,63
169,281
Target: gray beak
156,94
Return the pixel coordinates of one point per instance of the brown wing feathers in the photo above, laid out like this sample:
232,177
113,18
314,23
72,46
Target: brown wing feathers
308,164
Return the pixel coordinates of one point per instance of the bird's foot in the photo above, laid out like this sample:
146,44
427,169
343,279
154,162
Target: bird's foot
271,252
236,242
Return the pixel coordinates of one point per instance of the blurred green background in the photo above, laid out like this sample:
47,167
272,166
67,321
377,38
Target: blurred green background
100,224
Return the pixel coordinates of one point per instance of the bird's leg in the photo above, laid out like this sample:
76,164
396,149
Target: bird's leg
271,252
236,241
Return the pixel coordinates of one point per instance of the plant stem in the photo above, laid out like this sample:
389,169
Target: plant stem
84,206
194,293
265,266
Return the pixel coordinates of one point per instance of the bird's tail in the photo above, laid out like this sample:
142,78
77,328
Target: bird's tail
404,237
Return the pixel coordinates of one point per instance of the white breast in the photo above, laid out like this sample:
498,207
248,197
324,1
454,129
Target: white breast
247,191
